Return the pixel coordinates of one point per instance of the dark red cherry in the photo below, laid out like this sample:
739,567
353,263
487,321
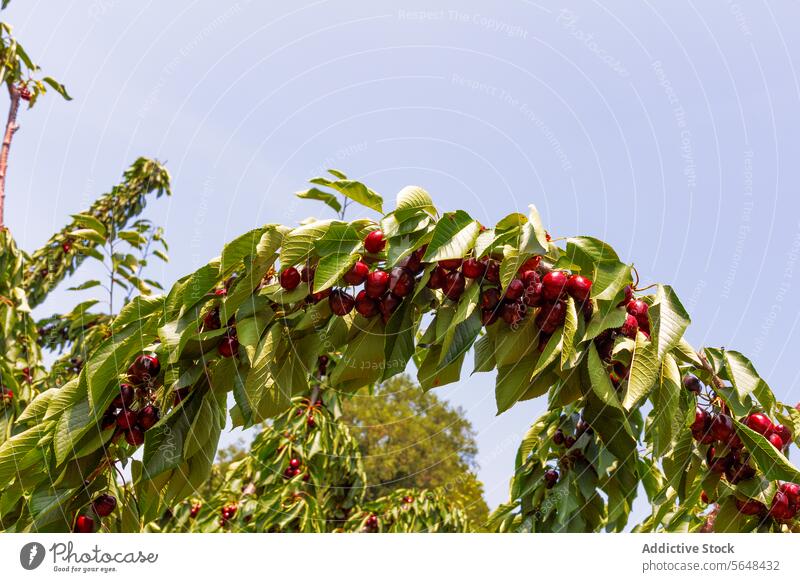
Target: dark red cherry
401,281
289,278
515,289
341,302
579,287
374,242
759,423
437,278
490,298
228,346
473,268
84,524
366,305
357,274
148,417
450,264
553,285
144,369
454,285
104,504
377,283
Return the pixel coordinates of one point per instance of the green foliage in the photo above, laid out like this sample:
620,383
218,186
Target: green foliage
411,439
410,511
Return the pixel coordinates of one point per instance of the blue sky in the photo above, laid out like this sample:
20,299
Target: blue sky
667,129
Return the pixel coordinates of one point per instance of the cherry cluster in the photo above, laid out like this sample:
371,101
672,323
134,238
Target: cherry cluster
102,506
727,455
371,524
194,510
294,469
131,411
227,513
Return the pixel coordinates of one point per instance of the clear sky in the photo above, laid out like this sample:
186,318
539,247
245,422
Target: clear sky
667,129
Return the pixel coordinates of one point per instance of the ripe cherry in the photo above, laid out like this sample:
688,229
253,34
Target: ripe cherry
125,397
294,463
450,264
492,272
737,472
357,274
144,369
701,427
473,268
513,312
307,273
704,497
515,289
531,264
716,464
490,298
228,346
454,285
630,327
792,492
569,441
134,436
320,295
489,316
750,507
401,281
691,383
628,296
377,283
25,93
289,278
759,423
551,316
104,504
211,320
366,305
437,278
722,427
638,309
388,305
148,417
341,302
195,509
375,243
579,287
558,437
783,432
126,419
553,285
84,524
108,421
550,478
780,508
776,441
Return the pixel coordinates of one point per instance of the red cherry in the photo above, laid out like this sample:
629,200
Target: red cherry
25,94
357,274
125,397
450,264
473,268
294,463
551,316
630,327
375,243
488,316
84,524
388,305
366,305
126,419
289,278
628,296
558,437
716,464
553,285
228,347
783,432
579,287
550,478
531,264
701,427
195,509
691,383
401,281
454,285
490,298
638,309
211,320
307,273
220,292
104,504
437,278
751,507
513,312
792,492
341,302
776,441
148,417
759,423
780,508
377,283
722,427
134,436
320,295
704,497
144,369
492,272
515,289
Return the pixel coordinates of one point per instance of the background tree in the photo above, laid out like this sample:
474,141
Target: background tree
412,439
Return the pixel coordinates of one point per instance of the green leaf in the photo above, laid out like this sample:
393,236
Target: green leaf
570,327
57,87
298,244
772,462
355,191
643,372
88,221
453,236
601,384
242,246
743,374
666,399
340,238
330,270
363,360
86,285
586,252
412,200
322,196
669,320
88,234
164,443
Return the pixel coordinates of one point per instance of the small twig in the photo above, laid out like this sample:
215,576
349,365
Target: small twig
715,380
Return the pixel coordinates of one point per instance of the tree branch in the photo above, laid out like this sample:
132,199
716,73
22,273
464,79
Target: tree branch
11,128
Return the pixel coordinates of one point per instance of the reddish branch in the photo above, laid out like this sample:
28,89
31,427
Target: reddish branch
11,128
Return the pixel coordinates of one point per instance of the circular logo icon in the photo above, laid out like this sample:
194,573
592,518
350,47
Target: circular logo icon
31,555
